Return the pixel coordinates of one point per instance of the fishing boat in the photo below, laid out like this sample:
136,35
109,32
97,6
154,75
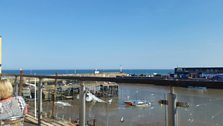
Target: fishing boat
138,103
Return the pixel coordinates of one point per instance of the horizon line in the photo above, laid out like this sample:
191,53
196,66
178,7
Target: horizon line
99,69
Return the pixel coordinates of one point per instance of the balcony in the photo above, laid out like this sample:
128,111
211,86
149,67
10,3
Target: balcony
183,103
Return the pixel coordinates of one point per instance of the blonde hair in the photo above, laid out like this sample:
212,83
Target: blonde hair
6,89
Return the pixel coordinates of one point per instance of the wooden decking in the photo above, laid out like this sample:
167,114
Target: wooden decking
48,122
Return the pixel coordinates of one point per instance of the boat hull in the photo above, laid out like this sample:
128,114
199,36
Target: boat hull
137,103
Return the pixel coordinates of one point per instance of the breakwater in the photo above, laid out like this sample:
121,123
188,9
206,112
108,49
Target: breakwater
137,80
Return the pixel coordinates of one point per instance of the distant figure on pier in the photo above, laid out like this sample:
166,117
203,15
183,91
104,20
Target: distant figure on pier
12,109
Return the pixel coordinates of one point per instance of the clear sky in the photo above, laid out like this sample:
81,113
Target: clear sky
83,34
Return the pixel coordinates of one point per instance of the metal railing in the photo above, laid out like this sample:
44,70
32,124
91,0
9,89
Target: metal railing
171,99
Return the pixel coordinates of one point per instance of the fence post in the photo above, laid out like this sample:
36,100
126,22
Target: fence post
40,102
171,97
82,104
16,86
21,82
54,96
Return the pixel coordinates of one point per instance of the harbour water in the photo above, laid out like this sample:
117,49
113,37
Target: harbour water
205,105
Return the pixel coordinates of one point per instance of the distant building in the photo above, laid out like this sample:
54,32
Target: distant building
197,72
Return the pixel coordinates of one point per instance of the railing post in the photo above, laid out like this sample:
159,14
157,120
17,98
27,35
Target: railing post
21,82
82,104
40,102
35,99
16,86
54,96
0,57
171,107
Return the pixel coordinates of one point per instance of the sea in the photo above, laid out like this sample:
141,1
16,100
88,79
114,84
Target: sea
205,105
88,71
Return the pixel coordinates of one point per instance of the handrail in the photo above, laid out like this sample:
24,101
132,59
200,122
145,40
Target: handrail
125,79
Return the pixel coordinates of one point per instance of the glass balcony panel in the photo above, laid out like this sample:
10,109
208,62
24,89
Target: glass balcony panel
119,114
205,107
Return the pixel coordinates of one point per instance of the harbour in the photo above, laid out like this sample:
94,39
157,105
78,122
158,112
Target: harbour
112,114
111,63
199,102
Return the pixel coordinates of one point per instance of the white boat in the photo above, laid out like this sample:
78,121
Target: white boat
138,103
96,71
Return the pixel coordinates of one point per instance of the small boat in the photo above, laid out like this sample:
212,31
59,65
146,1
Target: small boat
62,104
96,71
138,103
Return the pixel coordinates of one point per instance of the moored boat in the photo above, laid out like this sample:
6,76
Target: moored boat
138,103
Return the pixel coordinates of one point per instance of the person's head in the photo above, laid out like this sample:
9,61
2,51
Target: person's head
6,89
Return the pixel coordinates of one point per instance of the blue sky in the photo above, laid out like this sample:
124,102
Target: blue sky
88,34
